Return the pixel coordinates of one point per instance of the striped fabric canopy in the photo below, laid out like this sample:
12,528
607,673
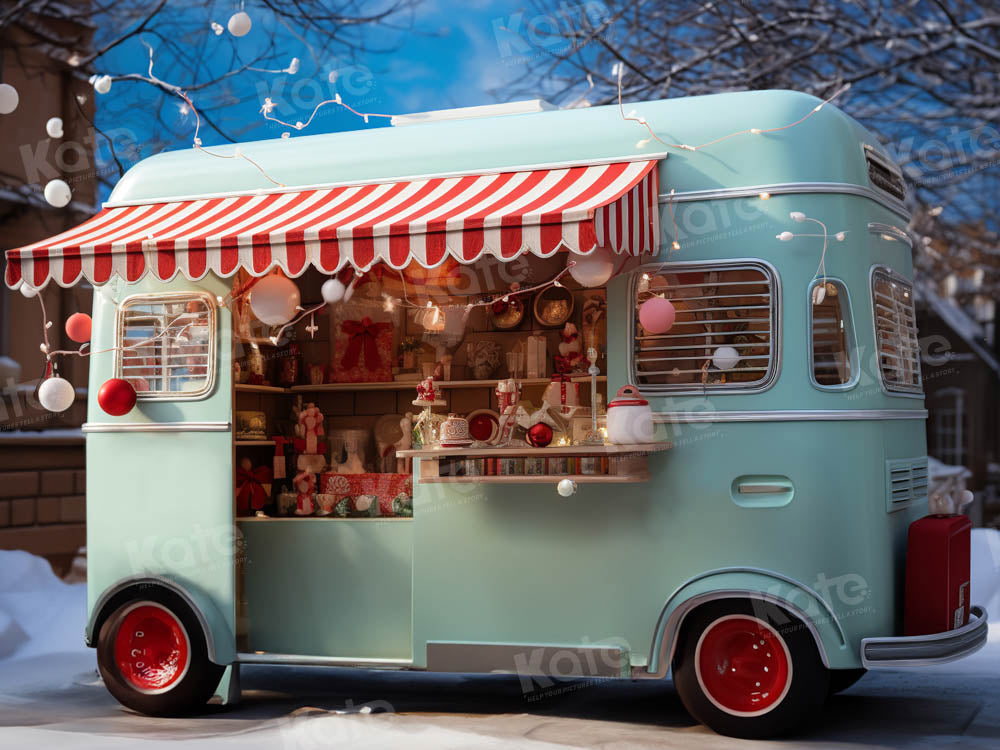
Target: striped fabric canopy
502,214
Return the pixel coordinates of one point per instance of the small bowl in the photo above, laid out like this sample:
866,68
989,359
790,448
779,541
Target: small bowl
553,306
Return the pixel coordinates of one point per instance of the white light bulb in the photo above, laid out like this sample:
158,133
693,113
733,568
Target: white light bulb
54,127
784,236
28,291
8,98
797,216
566,487
839,236
293,66
102,84
239,24
57,193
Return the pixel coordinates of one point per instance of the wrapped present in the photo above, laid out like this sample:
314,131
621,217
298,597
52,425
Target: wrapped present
362,346
562,392
253,487
384,488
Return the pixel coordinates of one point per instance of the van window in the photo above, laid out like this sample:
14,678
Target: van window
724,334
168,344
832,355
895,332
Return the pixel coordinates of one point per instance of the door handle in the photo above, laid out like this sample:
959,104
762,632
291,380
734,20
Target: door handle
762,491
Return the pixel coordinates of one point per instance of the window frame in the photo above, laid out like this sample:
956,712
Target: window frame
850,337
728,264
887,388
152,298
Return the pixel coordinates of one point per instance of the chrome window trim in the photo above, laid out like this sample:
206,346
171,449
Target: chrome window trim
894,275
890,231
159,298
89,427
852,339
774,370
790,188
787,415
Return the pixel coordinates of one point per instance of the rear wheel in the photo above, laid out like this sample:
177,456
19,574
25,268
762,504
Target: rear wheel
748,669
153,658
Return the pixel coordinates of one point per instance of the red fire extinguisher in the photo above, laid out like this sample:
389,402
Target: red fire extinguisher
937,574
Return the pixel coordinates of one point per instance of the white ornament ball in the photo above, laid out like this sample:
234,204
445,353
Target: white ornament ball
593,269
333,291
56,394
273,300
566,487
8,98
102,84
57,193
54,127
239,24
28,291
725,358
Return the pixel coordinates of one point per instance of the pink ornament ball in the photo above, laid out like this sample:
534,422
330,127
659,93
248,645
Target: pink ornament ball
78,327
117,397
657,315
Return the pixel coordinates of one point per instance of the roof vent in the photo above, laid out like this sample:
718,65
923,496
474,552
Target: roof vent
884,175
469,113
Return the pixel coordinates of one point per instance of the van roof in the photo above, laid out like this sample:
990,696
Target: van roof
827,147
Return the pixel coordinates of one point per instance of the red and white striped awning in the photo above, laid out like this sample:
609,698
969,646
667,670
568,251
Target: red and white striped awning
503,214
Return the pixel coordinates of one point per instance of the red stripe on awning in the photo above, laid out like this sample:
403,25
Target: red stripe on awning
502,214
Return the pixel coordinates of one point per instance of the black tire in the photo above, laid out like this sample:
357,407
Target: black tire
841,679
193,683
799,696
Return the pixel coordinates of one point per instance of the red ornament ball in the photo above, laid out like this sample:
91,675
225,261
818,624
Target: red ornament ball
78,327
499,307
116,397
539,435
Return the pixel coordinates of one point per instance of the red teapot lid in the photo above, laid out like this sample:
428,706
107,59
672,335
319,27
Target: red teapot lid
628,395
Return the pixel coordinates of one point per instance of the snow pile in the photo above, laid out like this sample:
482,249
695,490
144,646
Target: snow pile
39,614
986,573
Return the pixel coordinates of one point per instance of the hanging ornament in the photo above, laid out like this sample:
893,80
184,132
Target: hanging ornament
657,315
239,24
56,394
78,327
539,435
54,127
57,193
593,269
274,300
566,487
725,358
117,397
102,84
333,290
8,98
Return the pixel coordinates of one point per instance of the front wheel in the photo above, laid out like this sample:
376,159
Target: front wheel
748,669
152,656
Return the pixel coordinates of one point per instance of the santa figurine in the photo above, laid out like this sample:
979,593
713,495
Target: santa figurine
311,427
305,485
570,349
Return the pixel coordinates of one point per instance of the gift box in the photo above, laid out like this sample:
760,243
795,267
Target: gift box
362,342
352,487
562,391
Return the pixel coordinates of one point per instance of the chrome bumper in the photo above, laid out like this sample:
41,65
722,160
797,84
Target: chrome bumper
921,650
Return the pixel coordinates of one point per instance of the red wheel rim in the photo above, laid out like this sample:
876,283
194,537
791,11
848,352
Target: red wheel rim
152,650
743,665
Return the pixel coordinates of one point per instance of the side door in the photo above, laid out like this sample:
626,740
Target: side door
160,478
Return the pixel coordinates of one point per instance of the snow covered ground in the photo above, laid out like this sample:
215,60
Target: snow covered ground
50,696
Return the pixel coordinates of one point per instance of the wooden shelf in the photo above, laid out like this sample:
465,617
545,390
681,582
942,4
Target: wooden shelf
404,385
541,479
240,443
528,451
248,388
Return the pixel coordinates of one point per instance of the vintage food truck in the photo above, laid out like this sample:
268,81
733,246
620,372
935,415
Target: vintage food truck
753,545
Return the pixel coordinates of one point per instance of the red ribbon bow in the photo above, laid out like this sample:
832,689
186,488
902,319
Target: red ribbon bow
250,487
363,335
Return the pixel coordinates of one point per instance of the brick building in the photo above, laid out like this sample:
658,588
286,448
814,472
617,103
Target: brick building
42,505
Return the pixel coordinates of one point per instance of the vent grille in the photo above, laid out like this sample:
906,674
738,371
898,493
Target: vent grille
896,332
883,175
169,345
716,306
906,482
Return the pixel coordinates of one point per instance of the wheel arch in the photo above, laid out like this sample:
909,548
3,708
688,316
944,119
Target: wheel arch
220,644
756,585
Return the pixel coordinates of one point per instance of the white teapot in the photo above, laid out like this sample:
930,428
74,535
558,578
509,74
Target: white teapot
630,418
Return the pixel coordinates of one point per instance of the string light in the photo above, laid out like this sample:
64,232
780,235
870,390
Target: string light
819,292
299,125
632,116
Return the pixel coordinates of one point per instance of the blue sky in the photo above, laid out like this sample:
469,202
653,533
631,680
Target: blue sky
456,54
